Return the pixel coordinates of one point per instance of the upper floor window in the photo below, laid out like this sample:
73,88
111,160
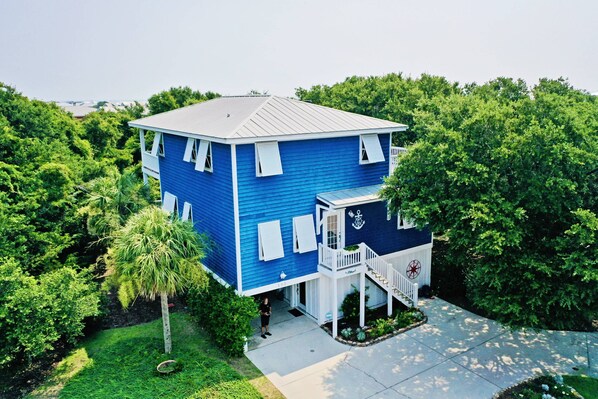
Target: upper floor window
267,159
403,223
270,240
370,150
304,234
200,152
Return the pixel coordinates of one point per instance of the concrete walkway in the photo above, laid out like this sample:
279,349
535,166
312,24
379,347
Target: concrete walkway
455,355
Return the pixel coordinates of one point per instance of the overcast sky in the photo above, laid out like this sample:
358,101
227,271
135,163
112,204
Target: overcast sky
119,49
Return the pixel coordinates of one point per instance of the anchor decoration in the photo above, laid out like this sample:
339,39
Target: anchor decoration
358,221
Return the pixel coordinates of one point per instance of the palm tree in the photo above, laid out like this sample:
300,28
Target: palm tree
111,200
160,255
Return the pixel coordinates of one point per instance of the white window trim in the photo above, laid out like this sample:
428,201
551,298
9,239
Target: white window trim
270,241
267,159
304,234
370,145
403,224
187,212
170,203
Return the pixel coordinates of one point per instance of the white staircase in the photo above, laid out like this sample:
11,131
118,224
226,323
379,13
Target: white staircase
389,278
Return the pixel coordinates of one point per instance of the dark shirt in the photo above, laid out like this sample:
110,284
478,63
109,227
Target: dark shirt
265,309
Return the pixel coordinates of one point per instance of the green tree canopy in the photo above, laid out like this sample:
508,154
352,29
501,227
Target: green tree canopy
510,178
177,97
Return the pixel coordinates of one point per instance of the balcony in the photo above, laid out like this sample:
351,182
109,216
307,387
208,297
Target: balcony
394,157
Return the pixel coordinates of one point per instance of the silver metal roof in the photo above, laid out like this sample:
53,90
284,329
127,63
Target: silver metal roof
253,118
351,196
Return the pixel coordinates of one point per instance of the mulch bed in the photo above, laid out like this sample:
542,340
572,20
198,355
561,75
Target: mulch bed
372,314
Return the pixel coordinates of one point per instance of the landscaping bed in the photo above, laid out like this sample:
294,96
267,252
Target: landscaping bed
379,326
552,387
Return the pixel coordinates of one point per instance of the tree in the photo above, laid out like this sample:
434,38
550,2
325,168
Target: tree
37,312
510,180
159,254
177,97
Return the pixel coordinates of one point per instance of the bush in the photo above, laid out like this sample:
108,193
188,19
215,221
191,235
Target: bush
225,315
37,312
382,327
347,332
350,305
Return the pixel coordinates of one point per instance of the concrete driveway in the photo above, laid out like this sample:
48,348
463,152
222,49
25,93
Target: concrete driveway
455,355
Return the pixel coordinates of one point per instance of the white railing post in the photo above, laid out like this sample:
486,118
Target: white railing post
415,294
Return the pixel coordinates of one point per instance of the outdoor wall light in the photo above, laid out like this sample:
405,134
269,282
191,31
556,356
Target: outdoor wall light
282,276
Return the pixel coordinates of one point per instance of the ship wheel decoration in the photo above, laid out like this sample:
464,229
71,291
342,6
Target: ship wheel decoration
413,269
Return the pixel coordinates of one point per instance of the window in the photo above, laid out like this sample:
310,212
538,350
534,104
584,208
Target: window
170,203
403,223
158,145
304,234
267,159
187,212
270,240
370,150
200,152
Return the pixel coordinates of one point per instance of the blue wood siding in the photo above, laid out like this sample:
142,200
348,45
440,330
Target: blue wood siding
211,198
309,167
380,234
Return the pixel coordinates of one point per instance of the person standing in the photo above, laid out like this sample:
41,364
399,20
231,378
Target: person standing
265,312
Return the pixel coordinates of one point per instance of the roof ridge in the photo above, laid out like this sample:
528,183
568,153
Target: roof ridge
340,110
251,115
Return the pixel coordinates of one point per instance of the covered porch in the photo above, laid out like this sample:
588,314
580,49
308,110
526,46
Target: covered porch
342,219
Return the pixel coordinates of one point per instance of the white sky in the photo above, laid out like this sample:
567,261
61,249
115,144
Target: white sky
119,49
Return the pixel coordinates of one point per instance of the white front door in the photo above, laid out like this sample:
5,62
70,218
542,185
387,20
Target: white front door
334,229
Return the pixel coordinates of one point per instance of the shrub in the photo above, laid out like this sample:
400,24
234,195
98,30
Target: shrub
225,315
382,327
347,332
360,335
37,312
350,305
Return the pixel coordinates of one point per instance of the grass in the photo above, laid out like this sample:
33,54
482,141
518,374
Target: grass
586,386
122,363
532,389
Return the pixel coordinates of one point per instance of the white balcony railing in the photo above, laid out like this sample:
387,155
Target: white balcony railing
394,157
337,259
150,164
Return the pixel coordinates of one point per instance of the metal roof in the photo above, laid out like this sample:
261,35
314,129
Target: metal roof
253,118
351,196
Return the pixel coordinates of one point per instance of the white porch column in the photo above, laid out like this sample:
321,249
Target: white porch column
389,301
334,307
362,299
142,145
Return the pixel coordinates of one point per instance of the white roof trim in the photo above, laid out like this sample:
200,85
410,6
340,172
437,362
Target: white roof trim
296,137
351,196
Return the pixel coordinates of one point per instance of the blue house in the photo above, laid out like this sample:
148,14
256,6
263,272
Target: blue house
288,193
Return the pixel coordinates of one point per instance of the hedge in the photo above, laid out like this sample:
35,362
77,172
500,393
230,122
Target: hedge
225,315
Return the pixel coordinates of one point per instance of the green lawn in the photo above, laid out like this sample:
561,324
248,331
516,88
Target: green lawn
586,386
121,363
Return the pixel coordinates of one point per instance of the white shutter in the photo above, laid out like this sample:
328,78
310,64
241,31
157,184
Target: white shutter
189,149
202,153
304,234
268,158
187,212
156,144
270,240
372,148
169,203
